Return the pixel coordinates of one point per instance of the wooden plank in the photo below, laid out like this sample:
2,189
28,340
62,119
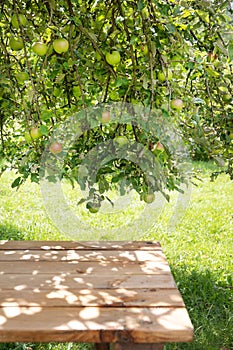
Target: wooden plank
133,346
90,297
85,255
63,281
94,324
84,267
80,245
101,346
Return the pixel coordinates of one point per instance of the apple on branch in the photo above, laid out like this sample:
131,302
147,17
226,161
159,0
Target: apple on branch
16,43
159,146
177,104
61,45
121,141
148,197
39,48
105,118
227,97
93,207
113,58
56,148
33,134
163,76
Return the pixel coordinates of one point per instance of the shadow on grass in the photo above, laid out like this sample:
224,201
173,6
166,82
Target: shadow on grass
208,296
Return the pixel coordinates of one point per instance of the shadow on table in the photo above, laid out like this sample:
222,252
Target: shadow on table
207,297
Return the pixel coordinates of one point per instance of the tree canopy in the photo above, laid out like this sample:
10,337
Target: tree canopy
171,58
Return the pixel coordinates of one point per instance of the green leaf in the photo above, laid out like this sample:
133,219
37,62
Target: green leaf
44,130
230,50
17,182
81,201
212,72
103,185
121,82
141,5
46,115
35,178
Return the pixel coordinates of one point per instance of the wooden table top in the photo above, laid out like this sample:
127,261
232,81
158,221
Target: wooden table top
89,292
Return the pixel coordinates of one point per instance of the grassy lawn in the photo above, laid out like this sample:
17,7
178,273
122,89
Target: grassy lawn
199,250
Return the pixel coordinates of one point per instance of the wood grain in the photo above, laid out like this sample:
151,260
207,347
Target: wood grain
100,292
85,267
65,281
80,245
82,255
92,297
139,325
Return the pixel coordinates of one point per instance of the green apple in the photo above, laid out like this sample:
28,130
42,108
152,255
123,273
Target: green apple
227,97
175,60
105,118
145,50
113,58
121,141
148,197
22,77
15,43
163,76
177,104
35,133
93,207
61,45
55,148
15,22
39,48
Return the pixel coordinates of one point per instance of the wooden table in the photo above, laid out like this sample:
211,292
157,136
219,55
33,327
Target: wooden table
99,292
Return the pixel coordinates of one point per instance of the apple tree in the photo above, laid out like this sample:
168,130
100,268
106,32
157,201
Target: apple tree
59,58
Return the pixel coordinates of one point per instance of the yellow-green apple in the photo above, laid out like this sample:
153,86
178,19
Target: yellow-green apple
113,58
61,45
148,197
121,141
163,76
35,133
16,43
39,48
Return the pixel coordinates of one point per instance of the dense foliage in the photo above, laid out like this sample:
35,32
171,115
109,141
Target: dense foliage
58,58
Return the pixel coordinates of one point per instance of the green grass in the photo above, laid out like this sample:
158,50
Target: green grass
199,249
